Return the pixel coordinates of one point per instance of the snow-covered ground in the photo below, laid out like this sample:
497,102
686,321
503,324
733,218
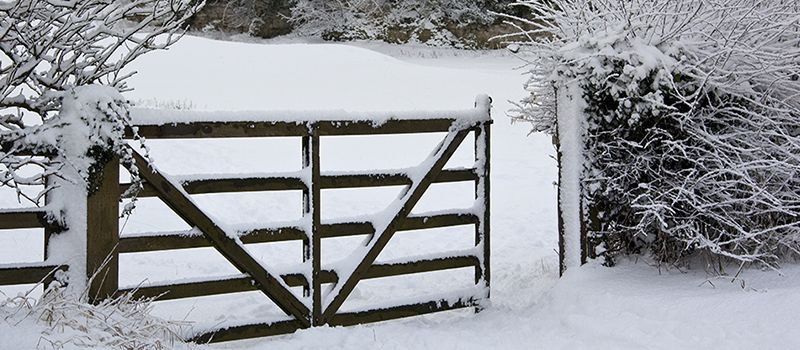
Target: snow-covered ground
632,306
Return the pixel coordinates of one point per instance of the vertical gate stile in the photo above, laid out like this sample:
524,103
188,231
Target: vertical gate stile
102,232
482,193
311,204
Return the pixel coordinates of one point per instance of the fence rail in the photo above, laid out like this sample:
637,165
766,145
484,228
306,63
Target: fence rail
105,244
23,218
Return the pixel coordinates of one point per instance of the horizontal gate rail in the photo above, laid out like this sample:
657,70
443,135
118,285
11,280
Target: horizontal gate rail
22,218
247,331
213,286
291,128
149,242
257,330
28,273
243,283
286,183
395,312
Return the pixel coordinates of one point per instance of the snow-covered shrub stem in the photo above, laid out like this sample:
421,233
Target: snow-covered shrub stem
57,320
692,110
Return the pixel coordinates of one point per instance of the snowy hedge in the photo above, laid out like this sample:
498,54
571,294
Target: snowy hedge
689,125
399,21
459,23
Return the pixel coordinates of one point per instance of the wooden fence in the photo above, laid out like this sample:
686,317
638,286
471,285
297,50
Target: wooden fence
105,244
30,273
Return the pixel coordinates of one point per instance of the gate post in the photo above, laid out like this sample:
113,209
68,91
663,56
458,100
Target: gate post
573,249
102,230
482,193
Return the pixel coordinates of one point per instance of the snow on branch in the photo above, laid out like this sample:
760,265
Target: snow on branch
692,140
53,56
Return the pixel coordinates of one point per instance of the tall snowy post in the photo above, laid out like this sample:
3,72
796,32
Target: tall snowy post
483,190
86,194
570,130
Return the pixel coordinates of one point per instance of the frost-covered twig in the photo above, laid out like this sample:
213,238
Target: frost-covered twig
49,52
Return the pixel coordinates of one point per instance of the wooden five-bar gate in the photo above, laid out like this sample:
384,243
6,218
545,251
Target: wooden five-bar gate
316,306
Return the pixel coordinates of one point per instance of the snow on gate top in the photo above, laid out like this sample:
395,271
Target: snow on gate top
147,116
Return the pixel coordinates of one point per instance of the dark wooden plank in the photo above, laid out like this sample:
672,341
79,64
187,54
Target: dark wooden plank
170,291
153,242
230,185
391,313
391,179
102,232
420,266
437,221
366,127
228,247
286,128
346,229
243,185
247,331
410,199
414,222
312,212
28,274
255,184
189,239
220,130
343,319
22,218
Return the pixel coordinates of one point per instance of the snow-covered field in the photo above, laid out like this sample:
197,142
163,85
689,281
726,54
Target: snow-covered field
632,306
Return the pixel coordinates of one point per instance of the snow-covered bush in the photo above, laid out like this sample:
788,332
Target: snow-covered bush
52,56
435,22
259,18
689,121
58,321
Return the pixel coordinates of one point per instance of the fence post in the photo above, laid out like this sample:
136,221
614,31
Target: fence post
102,231
560,210
311,212
573,247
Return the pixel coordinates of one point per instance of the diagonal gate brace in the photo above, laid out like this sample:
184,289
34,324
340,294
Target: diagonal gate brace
179,201
410,198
